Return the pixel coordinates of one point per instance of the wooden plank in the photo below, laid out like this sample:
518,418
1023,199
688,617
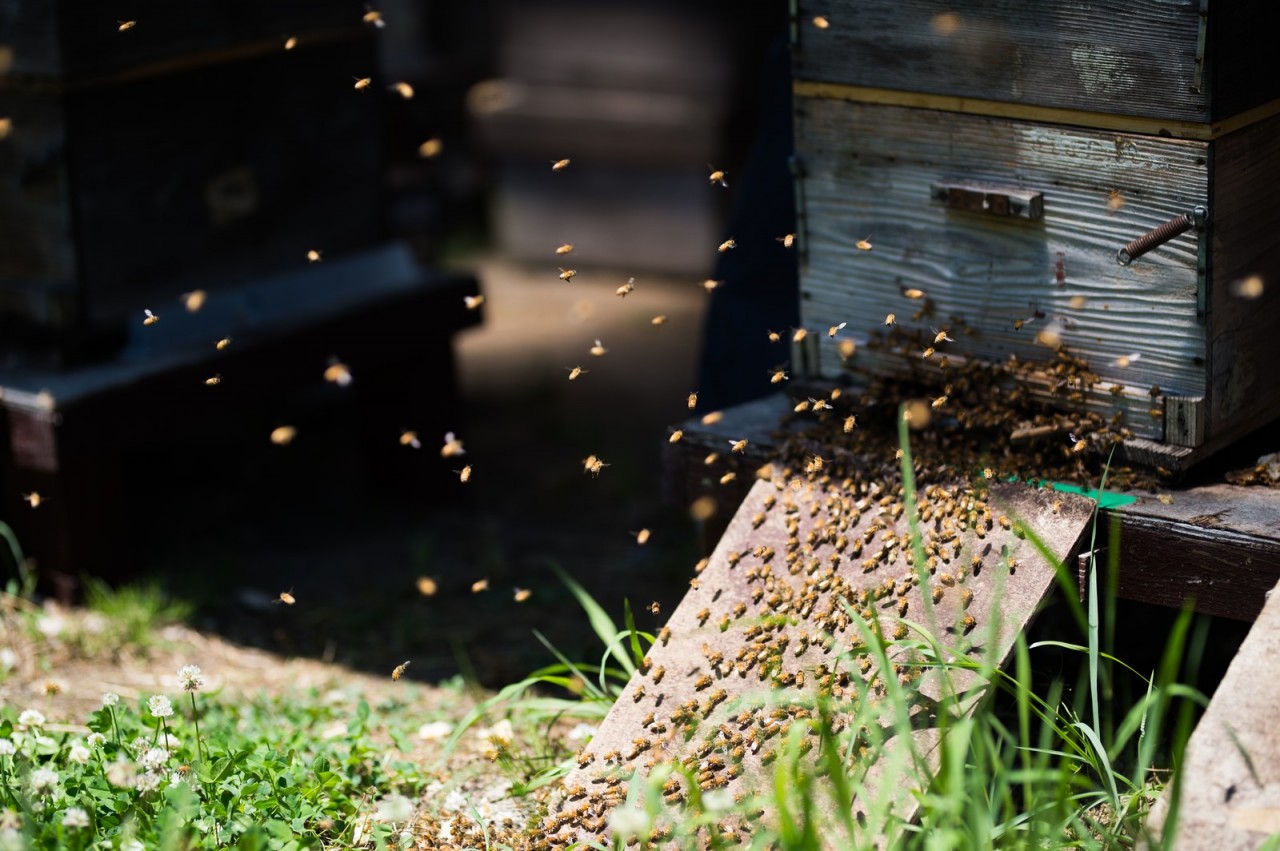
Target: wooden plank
1244,347
1137,57
1230,793
747,581
867,174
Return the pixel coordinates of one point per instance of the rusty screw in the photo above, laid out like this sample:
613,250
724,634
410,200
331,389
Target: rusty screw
1162,234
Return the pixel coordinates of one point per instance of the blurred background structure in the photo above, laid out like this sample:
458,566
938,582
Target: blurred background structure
148,153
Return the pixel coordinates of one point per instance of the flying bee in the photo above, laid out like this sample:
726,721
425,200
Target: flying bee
593,465
565,248
399,671
291,42
775,337
820,404
559,165
821,23
213,380
940,336
1078,444
788,240
567,274
403,89
287,598
362,83
914,293
283,435
374,17
598,350
33,499
194,300
739,446
576,371
799,335
726,245
801,407
314,256
890,319
710,284
427,586
850,423
473,301
125,26
464,475
939,402
480,585
431,148
675,436
452,446
728,477
1124,360
626,289
149,318
642,537
521,594
337,373
711,458
223,343
778,377
718,176
863,244
654,608
692,400
927,353
836,329
410,438
660,319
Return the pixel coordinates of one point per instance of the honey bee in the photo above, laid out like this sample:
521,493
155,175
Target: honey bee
431,148
567,274
480,585
585,758
598,350
194,300
890,319
559,165
703,682
654,608
1078,444
728,477
850,423
820,404
702,616
664,635
473,302
427,586
399,671
801,407
726,245
464,475
692,400
939,402
778,377
967,623
821,23
814,464
799,335
362,83
521,594
593,465
373,17
576,371
452,446
314,256
710,284
711,458
149,318
213,380
836,329
125,26
927,353
1005,522
712,418
287,597
660,319
912,293
718,176
626,289
410,438
290,43
337,373
403,89
775,337
642,538
283,435
33,499
675,436
638,696
940,336
1124,360
966,597
738,445
863,244
788,240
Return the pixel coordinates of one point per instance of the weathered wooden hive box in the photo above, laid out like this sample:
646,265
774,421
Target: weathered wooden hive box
189,149
998,157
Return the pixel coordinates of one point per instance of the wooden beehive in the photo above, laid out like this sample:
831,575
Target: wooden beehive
997,159
190,151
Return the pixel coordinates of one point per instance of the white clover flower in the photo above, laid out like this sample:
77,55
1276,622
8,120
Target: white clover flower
434,731
132,845
7,747
154,759
628,821
51,625
11,839
147,782
78,754
44,781
8,659
581,732
499,735
75,818
394,809
96,740
190,677
110,699
139,745
43,741
121,773
160,706
31,718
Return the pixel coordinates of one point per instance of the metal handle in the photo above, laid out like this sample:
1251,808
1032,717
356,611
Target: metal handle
1162,234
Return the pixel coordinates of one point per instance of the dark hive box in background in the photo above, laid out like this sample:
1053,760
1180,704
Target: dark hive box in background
998,158
135,170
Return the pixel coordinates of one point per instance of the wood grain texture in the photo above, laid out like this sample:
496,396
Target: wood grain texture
868,170
1136,57
1230,795
1244,346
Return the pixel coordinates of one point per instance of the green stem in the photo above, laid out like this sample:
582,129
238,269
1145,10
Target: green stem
195,716
114,728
